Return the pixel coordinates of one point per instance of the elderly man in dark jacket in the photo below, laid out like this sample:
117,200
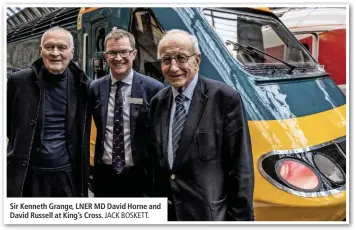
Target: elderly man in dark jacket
200,141
48,125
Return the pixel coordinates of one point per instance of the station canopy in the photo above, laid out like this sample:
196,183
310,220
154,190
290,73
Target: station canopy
19,16
26,22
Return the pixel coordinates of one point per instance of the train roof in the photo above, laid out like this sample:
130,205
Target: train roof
315,19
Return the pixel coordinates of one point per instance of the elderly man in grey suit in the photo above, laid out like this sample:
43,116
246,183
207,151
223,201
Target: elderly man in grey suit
200,142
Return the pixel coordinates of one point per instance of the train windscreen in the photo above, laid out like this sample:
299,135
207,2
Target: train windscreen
258,40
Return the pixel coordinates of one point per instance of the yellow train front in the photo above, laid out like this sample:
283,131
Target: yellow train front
297,116
298,138
300,165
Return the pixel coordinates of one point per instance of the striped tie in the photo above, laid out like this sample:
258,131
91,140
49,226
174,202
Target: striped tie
178,122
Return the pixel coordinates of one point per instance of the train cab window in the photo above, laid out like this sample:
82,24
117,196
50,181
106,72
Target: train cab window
147,33
257,41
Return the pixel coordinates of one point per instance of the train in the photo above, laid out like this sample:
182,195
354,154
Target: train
322,30
296,112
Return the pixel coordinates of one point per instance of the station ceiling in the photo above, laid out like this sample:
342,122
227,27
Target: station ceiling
18,16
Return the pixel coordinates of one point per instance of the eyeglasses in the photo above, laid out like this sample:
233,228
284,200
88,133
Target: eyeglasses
60,48
122,53
180,58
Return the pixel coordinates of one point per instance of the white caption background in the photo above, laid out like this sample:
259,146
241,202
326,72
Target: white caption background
85,211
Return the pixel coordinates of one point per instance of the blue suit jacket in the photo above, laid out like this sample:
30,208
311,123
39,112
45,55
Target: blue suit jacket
142,87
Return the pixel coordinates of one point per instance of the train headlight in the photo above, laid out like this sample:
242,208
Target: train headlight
297,174
330,169
316,171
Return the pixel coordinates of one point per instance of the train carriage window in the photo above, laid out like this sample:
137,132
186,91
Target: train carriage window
306,45
147,33
100,37
98,68
310,41
306,39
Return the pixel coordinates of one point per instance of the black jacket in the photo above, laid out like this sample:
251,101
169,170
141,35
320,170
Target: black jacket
23,109
212,176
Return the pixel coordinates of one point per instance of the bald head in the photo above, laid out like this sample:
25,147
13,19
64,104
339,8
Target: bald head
56,49
59,29
178,36
179,55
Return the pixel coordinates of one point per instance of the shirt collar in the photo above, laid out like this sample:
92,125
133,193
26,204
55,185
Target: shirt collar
127,79
187,92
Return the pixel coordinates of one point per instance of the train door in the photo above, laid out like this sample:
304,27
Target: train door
147,32
96,62
93,57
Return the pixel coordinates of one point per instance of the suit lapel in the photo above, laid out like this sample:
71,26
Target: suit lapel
165,118
195,112
104,100
137,91
72,101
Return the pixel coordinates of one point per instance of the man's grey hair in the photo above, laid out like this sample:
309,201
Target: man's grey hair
116,33
57,28
176,33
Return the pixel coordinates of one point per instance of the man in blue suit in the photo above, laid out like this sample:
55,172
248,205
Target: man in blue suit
120,106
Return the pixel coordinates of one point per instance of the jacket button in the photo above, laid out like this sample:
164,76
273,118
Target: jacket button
38,149
24,163
169,202
32,122
173,176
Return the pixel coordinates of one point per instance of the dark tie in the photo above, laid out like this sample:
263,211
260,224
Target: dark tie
118,152
178,122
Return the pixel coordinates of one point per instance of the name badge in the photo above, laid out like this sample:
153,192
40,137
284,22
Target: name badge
137,101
